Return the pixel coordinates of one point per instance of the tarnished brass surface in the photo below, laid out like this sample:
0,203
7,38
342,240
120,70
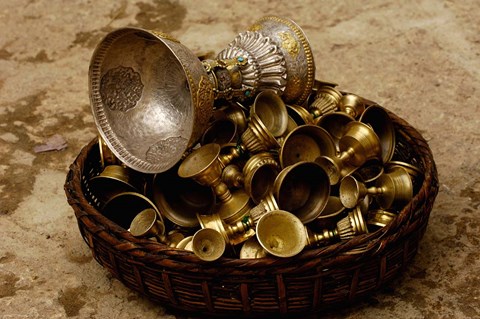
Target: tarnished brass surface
123,208
326,101
281,233
306,143
380,218
302,189
352,105
251,249
221,131
146,224
378,118
208,244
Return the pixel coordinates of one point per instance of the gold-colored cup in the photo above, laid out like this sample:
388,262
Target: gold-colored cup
306,143
260,172
232,234
222,131
335,124
326,101
232,176
352,105
302,189
369,171
114,180
251,249
299,114
185,243
281,233
179,199
358,145
235,112
348,227
208,244
378,118
268,120
394,189
122,208
147,224
106,155
415,173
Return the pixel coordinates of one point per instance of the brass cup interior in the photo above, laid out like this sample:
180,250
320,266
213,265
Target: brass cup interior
370,171
302,189
378,118
306,143
259,181
299,114
351,191
251,249
179,199
271,111
114,180
146,224
208,244
335,124
281,233
221,131
333,208
184,242
122,208
202,164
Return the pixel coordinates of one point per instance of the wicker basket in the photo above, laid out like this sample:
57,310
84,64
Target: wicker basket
312,281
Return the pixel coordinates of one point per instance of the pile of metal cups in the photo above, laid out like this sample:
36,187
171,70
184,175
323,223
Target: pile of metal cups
267,179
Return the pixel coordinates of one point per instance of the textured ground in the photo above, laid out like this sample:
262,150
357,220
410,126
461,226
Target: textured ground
417,58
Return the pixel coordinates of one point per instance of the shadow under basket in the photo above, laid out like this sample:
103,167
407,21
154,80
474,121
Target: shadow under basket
312,281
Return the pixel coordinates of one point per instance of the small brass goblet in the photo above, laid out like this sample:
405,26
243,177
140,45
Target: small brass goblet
352,225
232,234
415,173
147,224
114,180
358,145
302,189
222,131
392,189
123,208
299,114
352,105
234,112
179,199
306,143
326,101
205,166
335,124
378,118
281,233
208,244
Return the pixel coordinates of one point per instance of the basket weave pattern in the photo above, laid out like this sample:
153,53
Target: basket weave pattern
314,280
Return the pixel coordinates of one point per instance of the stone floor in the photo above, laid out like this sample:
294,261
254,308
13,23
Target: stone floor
417,58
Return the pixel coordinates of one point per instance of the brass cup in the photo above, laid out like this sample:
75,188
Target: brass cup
268,120
222,131
352,105
281,233
333,208
205,167
415,173
231,234
370,171
235,112
299,114
326,101
302,189
179,199
232,176
114,180
146,224
306,143
394,189
251,249
260,172
335,124
323,238
378,118
122,208
208,244
379,218
358,145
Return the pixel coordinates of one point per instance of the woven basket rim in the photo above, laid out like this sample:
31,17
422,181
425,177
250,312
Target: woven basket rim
358,248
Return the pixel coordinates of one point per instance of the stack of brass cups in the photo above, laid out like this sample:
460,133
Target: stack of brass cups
246,156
